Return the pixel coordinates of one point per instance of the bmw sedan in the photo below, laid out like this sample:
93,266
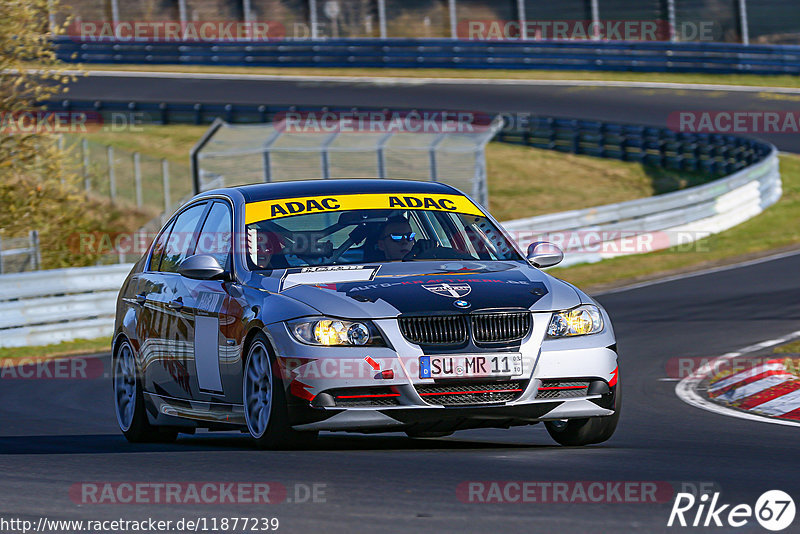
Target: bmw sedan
286,309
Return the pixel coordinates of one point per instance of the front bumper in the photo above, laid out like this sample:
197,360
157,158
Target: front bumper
310,373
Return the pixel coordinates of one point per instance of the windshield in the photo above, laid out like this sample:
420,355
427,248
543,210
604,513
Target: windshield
342,237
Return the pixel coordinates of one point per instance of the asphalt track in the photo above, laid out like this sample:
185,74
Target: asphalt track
636,105
56,433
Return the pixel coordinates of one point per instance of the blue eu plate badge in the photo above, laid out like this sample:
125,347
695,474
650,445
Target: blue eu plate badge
424,366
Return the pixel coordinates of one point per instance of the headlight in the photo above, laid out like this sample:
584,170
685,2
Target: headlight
579,321
335,332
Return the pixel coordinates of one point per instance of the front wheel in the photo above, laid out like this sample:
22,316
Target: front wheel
586,431
265,402
129,401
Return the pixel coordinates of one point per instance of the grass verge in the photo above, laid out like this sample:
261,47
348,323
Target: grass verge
788,348
505,74
777,228
57,350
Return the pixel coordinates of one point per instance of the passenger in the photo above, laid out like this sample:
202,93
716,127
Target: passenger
269,251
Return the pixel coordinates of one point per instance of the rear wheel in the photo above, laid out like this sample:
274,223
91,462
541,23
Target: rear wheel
265,402
129,401
586,431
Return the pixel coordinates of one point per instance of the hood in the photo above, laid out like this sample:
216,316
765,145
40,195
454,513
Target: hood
391,289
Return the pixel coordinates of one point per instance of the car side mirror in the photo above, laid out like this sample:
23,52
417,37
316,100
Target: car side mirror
202,267
544,254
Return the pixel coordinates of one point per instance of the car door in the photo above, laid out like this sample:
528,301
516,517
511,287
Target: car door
169,327
217,314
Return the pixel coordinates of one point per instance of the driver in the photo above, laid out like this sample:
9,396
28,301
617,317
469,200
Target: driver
397,241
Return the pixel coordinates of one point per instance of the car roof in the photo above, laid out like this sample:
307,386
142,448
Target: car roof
305,188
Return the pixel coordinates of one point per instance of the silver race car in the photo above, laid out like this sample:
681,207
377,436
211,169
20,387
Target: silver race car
355,305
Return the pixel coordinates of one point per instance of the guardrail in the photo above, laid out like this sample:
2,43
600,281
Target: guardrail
46,307
446,53
659,222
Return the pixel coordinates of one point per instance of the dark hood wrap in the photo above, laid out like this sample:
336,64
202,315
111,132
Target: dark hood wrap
424,294
435,287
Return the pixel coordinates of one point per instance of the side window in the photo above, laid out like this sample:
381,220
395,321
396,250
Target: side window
182,238
215,237
158,248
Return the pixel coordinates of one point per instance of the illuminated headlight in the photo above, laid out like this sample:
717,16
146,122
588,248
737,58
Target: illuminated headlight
576,322
335,332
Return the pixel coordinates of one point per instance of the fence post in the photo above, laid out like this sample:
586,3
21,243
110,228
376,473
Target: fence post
523,31
595,8
246,8
182,13
312,18
115,14
51,16
37,251
382,154
137,178
382,18
165,181
673,28
743,24
112,182
434,171
85,153
451,8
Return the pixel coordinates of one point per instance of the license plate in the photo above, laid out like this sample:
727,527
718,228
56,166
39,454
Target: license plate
470,365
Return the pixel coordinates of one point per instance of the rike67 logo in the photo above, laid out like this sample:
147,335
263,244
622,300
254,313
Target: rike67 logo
774,510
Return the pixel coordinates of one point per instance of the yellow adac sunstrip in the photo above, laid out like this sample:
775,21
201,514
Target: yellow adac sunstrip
286,207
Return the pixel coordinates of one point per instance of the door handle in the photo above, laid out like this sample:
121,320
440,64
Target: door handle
141,298
176,304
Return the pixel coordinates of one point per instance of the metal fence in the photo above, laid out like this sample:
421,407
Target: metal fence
129,177
439,147
763,21
18,254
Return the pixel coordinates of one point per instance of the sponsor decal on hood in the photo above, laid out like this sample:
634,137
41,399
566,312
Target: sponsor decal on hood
322,276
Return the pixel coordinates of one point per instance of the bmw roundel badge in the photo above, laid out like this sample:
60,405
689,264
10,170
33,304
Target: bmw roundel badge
462,304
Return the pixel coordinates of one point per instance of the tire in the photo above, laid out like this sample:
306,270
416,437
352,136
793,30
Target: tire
129,401
264,399
586,431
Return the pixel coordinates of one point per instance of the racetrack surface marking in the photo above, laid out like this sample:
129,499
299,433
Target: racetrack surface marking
686,388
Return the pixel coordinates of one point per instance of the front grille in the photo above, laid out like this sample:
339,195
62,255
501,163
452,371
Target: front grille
365,396
494,327
435,329
562,389
466,393
500,327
